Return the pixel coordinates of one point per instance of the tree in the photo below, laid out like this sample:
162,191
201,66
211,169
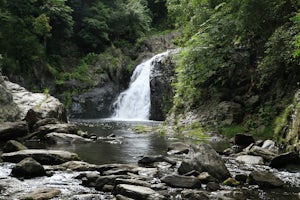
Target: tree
94,30
129,20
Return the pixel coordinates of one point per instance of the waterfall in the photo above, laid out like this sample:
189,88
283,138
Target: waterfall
134,103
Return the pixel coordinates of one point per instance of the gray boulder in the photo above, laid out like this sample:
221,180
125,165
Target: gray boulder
135,192
9,111
181,181
265,153
286,160
205,159
178,148
44,105
265,179
28,168
13,145
95,103
252,160
47,157
13,130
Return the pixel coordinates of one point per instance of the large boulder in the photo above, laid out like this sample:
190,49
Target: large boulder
44,105
13,130
286,160
95,103
268,155
265,179
28,168
205,159
47,157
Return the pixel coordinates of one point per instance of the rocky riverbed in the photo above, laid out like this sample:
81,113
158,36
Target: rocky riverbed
249,169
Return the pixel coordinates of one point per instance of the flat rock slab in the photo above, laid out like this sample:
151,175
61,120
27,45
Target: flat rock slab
58,138
134,191
42,194
181,181
252,160
45,157
79,166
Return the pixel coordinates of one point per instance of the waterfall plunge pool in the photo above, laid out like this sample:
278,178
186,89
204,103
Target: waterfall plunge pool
126,146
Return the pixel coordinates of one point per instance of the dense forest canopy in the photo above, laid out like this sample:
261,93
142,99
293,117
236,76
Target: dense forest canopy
47,35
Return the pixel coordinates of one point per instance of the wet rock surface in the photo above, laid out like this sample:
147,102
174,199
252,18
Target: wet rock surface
50,157
205,159
28,168
265,179
13,130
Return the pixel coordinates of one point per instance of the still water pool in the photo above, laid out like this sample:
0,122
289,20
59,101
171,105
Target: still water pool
126,146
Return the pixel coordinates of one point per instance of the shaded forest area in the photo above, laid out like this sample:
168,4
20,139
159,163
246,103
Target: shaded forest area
45,41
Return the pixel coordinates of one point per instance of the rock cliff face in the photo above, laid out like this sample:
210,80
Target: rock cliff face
95,103
162,92
288,126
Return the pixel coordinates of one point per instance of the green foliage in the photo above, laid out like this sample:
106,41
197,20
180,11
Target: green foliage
130,20
279,64
297,40
281,124
232,130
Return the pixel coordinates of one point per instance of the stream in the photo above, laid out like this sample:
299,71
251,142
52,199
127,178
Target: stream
128,147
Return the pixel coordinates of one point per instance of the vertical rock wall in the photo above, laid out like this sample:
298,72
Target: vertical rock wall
162,92
288,126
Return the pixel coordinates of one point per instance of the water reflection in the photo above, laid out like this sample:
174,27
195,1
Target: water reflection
127,146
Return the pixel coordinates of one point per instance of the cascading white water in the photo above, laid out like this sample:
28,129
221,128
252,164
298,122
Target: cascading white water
135,103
